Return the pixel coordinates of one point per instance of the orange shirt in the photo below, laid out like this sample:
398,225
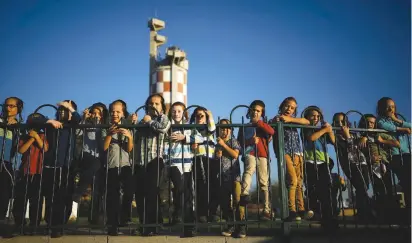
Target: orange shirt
35,154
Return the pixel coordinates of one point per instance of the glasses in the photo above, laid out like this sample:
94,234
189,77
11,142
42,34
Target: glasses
200,116
10,106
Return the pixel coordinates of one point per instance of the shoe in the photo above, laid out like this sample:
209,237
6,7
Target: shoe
56,234
203,219
266,216
187,233
214,218
309,215
228,231
292,217
112,231
242,231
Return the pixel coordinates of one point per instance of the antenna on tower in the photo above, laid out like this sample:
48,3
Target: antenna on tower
155,13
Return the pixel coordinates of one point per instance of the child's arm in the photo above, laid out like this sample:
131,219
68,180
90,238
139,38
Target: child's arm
40,143
265,127
108,137
193,137
129,136
161,126
211,126
234,153
391,127
389,142
296,120
317,134
24,146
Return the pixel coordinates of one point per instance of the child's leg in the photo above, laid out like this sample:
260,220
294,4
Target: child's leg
250,168
264,181
176,178
128,189
113,197
292,182
299,185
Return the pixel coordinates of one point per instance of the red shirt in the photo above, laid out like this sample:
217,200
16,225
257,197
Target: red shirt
263,132
35,154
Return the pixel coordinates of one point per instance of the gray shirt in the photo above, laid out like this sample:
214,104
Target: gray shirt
117,152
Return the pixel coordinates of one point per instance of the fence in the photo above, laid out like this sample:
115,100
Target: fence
138,191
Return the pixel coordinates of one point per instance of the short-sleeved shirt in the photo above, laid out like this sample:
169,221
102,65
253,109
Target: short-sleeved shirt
315,150
230,167
118,156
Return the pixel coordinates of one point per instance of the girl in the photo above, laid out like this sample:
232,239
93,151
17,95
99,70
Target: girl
401,157
293,156
179,163
204,159
118,143
353,163
227,151
318,178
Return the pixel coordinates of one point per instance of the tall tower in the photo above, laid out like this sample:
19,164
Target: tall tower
169,75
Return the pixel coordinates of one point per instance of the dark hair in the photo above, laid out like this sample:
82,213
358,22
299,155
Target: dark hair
162,101
345,117
255,103
124,107
105,112
284,103
178,103
381,106
312,108
20,106
193,116
363,120
72,103
220,122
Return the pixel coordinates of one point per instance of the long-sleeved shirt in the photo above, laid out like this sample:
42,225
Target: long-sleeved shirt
149,140
263,131
389,125
207,148
179,154
7,152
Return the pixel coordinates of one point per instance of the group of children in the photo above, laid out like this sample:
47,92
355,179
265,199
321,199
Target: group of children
131,158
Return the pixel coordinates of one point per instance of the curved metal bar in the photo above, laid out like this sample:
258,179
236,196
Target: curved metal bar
236,107
45,105
138,109
357,112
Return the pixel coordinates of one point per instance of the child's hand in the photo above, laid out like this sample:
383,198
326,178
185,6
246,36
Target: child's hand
363,142
86,113
66,105
407,131
13,121
341,180
125,132
221,142
256,140
285,119
113,130
147,118
175,137
328,127
194,146
380,139
219,153
134,118
33,134
209,113
55,124
345,130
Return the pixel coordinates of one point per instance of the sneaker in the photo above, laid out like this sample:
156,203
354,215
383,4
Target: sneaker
56,234
73,215
228,231
292,216
310,214
112,231
203,219
266,216
242,231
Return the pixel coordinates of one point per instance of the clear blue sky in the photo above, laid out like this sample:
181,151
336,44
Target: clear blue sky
339,55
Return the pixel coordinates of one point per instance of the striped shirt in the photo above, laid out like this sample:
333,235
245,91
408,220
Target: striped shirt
209,141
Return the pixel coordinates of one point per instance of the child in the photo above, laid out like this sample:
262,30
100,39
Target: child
401,157
118,142
353,163
12,107
204,161
180,158
57,179
376,147
149,164
227,151
293,156
32,146
91,158
256,141
318,177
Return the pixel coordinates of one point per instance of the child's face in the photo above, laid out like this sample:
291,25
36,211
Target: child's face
224,132
177,113
156,103
390,108
370,122
256,113
200,117
339,121
314,117
96,113
117,112
11,107
289,108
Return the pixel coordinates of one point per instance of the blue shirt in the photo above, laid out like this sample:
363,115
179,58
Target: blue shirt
389,125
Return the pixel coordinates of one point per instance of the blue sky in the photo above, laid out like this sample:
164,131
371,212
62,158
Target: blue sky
339,55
